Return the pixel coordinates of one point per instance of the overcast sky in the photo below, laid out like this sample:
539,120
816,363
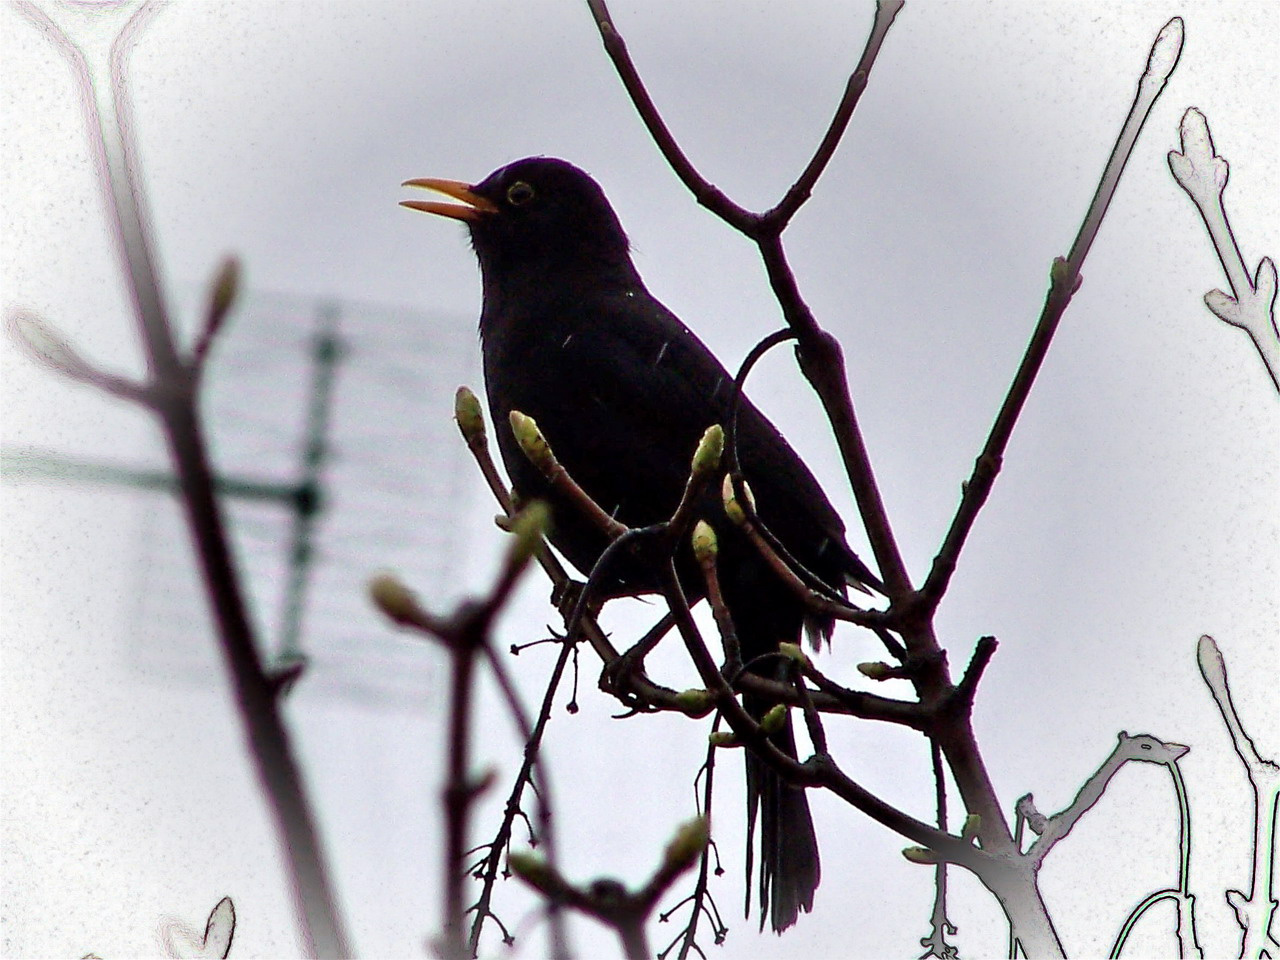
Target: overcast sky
1137,509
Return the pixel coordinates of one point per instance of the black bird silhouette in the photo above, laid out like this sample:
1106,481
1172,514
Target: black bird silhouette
623,391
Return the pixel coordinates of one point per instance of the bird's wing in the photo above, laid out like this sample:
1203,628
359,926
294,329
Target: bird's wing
635,389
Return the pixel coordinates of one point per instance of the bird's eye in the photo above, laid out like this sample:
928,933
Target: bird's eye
519,193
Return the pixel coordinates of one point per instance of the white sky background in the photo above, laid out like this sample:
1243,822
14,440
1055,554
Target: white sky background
1136,511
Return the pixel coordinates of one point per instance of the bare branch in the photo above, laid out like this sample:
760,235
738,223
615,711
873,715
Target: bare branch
1255,910
1141,747
532,737
1203,175
608,900
886,11
171,393
1064,280
703,191
45,344
818,770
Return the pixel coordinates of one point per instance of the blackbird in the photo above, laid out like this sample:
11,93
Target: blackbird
623,391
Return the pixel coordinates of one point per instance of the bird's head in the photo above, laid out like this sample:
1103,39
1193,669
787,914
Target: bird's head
537,214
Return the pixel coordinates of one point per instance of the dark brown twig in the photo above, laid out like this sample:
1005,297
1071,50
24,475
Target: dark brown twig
222,294
820,354
704,192
779,216
705,551
820,770
748,364
608,900
940,927
701,900
822,363
535,446
465,634
470,420
532,737
1064,280
785,568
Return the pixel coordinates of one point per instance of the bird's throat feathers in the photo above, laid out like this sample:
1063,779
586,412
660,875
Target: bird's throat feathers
549,281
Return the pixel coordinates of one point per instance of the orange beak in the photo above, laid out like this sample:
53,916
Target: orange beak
475,206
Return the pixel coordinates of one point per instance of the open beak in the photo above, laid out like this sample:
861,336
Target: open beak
475,207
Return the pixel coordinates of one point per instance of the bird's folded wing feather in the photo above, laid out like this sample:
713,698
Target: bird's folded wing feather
633,386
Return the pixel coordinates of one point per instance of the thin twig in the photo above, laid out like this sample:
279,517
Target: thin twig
739,384
1254,910
822,362
1064,280
45,344
786,570
701,896
780,215
820,354
1141,747
608,900
465,634
471,423
1202,173
532,737
817,771
939,926
704,192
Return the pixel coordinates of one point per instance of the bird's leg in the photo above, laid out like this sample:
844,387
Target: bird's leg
617,677
566,595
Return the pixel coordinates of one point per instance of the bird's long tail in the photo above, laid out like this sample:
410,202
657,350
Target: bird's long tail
789,866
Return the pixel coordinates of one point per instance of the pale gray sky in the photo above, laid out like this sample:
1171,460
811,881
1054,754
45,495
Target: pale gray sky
1136,511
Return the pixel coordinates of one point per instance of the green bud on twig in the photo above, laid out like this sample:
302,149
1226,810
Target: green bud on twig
687,845
774,720
532,442
922,855
481,783
707,457
876,670
1060,276
705,545
695,702
532,869
394,599
731,506
723,738
223,292
971,825
794,652
466,410
528,528
46,344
